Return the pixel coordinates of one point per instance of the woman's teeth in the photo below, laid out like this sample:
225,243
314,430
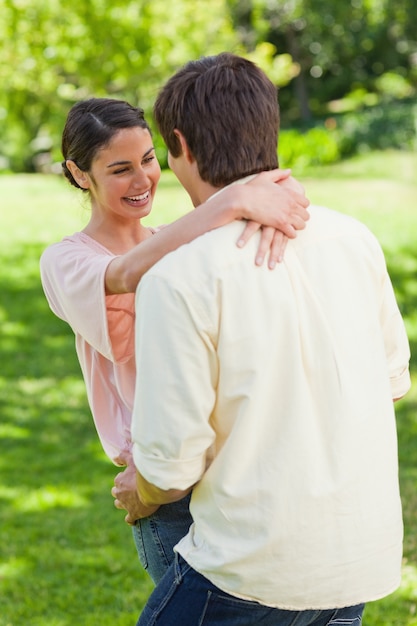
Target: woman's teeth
142,196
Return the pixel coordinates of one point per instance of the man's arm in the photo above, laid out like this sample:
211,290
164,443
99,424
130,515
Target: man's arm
397,347
175,386
151,495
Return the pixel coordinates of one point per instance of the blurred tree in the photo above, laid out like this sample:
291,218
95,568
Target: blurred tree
338,46
55,53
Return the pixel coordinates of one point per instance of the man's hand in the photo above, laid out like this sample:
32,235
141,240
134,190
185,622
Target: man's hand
126,495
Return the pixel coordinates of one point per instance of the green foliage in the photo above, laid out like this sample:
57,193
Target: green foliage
55,53
66,556
336,45
314,147
280,68
391,124
393,85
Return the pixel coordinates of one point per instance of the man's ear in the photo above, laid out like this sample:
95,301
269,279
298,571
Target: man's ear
79,176
184,146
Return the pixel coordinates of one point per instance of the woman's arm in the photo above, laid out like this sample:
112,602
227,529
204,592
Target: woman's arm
282,206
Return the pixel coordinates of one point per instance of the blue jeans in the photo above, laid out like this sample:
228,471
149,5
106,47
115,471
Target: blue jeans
155,536
187,598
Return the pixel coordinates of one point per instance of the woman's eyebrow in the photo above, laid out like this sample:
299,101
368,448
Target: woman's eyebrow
118,163
127,162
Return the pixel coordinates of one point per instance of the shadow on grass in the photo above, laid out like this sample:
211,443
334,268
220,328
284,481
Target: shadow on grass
64,548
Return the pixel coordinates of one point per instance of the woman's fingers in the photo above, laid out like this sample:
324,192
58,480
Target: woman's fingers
250,229
277,249
275,176
267,237
272,243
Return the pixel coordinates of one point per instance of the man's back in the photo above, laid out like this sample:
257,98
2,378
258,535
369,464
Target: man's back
297,369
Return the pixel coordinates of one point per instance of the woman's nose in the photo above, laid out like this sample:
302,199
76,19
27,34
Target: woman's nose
141,179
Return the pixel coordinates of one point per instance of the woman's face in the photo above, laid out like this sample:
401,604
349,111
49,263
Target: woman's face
124,175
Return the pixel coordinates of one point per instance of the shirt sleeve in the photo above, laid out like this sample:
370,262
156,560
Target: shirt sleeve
397,347
72,277
175,392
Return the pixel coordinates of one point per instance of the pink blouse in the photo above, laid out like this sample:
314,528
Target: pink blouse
72,274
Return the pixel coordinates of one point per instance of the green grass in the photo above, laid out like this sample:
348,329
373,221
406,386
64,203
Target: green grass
66,555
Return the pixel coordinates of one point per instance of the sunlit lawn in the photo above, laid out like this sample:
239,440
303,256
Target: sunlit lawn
66,556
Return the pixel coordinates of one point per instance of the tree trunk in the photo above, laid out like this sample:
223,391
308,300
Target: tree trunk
300,83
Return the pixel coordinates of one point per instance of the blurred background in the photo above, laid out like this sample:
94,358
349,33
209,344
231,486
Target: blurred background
347,71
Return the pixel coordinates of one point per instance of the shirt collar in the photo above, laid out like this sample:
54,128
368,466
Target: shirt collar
240,181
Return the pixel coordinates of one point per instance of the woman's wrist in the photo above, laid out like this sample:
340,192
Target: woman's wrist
233,205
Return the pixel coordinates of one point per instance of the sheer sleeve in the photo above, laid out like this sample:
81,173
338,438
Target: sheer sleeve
72,274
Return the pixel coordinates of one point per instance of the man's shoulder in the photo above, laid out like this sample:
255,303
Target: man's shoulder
325,222
203,250
324,214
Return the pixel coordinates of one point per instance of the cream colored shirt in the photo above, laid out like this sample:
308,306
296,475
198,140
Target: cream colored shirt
272,390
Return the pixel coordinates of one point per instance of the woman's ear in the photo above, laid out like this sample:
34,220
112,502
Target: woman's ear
78,175
184,146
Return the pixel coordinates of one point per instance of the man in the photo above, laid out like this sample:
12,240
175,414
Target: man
269,395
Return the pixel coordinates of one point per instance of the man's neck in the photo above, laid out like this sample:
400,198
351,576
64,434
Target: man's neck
216,190
202,192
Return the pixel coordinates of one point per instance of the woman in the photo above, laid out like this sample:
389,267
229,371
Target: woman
89,278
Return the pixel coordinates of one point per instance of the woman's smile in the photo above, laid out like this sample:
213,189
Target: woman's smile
138,200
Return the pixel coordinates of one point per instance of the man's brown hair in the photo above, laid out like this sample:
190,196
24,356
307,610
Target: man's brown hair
227,110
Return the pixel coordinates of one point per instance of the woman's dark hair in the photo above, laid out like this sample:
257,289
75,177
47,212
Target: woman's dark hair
90,126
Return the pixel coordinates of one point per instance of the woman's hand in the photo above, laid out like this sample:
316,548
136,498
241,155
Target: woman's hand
273,242
126,496
275,202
